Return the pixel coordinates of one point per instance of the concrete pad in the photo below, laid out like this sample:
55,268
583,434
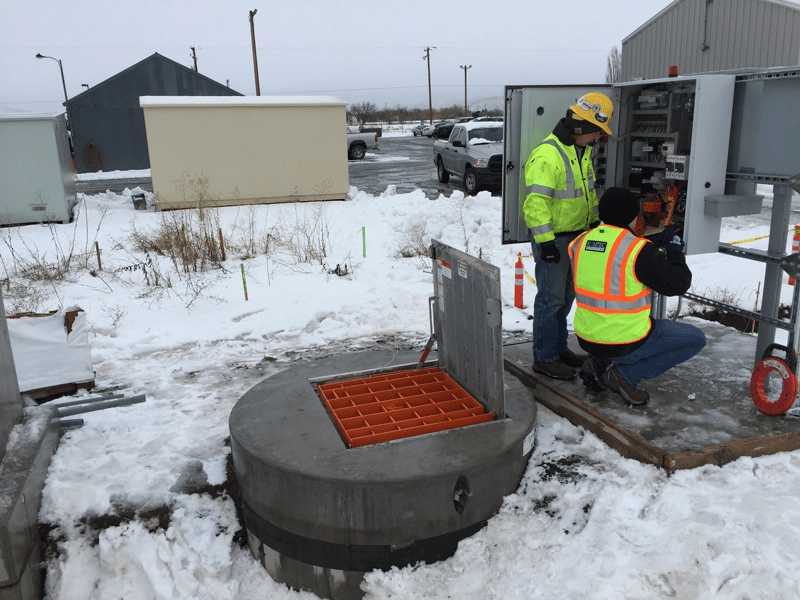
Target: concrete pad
700,412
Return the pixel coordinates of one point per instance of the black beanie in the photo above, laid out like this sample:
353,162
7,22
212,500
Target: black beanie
618,206
578,126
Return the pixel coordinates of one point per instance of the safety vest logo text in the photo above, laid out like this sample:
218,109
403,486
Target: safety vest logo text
595,246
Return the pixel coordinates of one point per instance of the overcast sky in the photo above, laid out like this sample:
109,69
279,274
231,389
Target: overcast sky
357,50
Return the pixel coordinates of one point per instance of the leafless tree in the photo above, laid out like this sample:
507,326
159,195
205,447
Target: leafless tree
364,112
613,66
453,111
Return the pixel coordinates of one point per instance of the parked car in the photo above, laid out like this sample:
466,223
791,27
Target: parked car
442,130
428,131
357,144
418,129
473,152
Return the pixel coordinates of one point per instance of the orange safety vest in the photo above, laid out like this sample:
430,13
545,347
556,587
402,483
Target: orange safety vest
612,305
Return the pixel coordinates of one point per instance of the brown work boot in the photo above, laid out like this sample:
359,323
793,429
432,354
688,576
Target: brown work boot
614,381
571,359
555,370
591,373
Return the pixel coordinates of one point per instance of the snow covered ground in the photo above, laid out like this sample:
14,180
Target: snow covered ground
134,498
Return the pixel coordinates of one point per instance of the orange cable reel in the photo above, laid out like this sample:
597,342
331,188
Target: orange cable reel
770,365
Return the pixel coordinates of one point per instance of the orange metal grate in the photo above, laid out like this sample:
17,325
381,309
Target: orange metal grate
399,405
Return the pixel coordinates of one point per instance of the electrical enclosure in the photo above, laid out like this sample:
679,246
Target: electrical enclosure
670,145
36,170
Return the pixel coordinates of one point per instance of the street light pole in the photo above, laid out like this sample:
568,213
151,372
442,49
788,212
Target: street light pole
466,110
255,57
66,99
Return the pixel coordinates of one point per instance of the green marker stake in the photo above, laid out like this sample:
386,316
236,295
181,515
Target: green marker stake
364,241
244,283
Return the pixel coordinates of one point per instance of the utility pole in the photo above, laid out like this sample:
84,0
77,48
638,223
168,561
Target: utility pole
466,109
255,57
194,58
430,98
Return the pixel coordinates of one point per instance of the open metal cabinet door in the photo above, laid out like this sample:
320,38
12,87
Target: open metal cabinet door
531,112
468,321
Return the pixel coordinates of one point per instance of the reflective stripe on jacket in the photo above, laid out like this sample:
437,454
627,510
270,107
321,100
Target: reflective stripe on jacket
612,305
559,191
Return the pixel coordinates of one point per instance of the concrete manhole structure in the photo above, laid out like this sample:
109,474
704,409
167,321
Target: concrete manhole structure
377,459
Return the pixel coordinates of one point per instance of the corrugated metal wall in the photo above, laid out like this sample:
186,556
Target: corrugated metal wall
737,33
108,124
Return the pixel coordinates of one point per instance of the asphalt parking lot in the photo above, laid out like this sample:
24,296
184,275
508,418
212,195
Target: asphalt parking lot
406,162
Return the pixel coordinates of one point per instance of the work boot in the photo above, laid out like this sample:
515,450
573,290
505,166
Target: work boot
614,381
555,370
591,374
571,359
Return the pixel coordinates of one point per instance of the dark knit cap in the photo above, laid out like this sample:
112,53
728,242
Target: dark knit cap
618,206
578,126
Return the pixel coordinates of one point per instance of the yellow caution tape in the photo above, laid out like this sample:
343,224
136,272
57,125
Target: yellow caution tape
531,279
761,237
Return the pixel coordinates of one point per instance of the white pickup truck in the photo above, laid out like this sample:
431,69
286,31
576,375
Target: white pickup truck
359,143
474,152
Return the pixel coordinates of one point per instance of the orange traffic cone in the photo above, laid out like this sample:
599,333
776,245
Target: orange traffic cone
519,270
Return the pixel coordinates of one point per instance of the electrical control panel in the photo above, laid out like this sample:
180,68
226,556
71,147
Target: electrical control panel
669,145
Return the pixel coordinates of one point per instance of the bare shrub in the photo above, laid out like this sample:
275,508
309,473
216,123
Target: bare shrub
23,297
410,243
306,237
248,237
460,208
189,237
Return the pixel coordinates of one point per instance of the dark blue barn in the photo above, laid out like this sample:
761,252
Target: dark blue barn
107,122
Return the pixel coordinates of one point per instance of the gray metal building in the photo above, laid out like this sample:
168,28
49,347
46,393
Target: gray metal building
713,35
107,122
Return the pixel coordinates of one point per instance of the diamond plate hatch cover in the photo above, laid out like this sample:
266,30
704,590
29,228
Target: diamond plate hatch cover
467,317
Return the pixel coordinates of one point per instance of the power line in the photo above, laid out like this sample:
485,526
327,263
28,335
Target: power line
570,49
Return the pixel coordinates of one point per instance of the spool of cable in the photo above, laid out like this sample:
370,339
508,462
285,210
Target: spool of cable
773,365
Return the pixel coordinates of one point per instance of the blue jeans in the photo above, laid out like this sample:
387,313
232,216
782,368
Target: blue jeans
670,343
555,293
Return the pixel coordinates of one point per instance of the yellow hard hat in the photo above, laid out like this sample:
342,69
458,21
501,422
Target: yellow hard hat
595,108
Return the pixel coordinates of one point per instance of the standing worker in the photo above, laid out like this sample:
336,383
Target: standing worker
560,204
614,273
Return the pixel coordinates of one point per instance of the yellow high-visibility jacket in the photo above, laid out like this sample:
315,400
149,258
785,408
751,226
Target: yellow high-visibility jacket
560,195
612,305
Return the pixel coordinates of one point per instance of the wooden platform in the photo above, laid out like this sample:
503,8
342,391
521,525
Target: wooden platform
699,413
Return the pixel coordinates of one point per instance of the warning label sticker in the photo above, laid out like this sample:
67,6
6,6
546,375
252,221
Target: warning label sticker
445,268
462,269
528,442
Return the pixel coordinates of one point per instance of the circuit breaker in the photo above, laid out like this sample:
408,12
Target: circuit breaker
670,146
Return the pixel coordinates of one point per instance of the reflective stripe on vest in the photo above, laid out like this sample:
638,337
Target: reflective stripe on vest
546,228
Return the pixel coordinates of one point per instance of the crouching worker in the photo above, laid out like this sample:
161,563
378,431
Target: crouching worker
614,272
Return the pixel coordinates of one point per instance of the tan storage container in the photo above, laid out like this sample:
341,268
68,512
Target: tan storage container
219,151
